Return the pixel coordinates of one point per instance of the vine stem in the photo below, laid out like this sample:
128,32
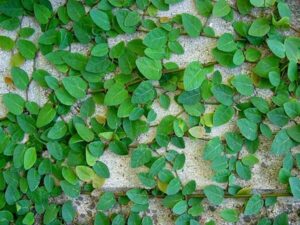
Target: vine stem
226,195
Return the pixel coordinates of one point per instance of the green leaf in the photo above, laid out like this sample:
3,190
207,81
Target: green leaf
20,78
48,38
157,166
42,13
150,68
116,95
106,201
58,130
33,179
75,60
28,219
194,75
292,45
75,86
222,115
204,7
276,47
213,149
156,38
75,10
243,84
14,103
84,132
68,212
234,141
254,205
260,103
50,214
226,43
138,196
140,156
278,117
143,93
243,171
223,94
164,101
221,8
292,108
214,194
250,160
282,143
100,50
230,215
70,190
46,115
295,186
101,169
267,65
252,54
294,133
192,25
29,158
55,150
173,186
6,43
26,48
248,129
101,19
84,173
180,207
244,6
259,28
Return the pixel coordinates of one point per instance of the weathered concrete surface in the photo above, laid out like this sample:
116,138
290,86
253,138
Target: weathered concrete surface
122,176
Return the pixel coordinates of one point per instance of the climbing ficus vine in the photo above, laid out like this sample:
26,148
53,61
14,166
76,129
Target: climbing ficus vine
54,149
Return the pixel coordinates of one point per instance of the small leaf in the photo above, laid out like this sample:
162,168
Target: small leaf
259,28
230,215
116,95
226,43
248,129
192,25
214,194
101,19
106,201
84,173
68,212
150,68
14,103
221,8
222,115
45,116
140,156
75,86
295,186
20,78
281,143
243,84
29,158
254,205
26,48
41,13
138,196
193,76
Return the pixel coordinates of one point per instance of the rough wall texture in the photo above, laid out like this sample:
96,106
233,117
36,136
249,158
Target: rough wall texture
122,176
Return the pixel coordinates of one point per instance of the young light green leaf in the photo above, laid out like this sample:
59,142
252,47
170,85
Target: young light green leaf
29,158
